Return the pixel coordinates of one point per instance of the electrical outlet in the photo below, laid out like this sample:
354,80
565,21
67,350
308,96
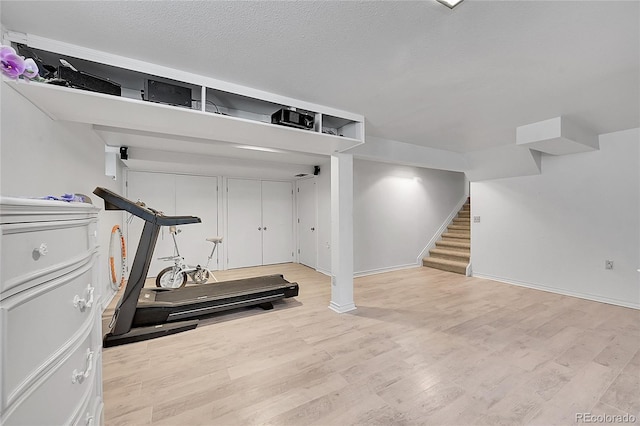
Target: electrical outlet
476,219
608,264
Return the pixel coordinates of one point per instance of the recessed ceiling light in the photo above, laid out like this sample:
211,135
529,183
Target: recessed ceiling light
450,3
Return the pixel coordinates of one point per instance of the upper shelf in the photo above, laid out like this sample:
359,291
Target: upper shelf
220,111
62,103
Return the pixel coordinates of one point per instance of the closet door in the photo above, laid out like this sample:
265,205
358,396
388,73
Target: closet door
156,190
307,240
197,196
244,223
277,222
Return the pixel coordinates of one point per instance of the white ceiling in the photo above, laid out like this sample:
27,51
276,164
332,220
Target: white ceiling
460,80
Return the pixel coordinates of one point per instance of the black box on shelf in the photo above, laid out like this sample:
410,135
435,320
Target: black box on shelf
84,81
166,93
286,117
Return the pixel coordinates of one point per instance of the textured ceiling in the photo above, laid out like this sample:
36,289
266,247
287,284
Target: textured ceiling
460,79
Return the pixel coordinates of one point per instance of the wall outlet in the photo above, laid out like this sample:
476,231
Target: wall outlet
476,219
608,264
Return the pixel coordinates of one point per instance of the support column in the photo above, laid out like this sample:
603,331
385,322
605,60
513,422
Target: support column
342,233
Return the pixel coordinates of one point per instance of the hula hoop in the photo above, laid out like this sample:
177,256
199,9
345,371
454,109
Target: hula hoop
123,258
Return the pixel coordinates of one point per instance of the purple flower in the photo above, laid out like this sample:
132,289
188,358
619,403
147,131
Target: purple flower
12,64
6,50
30,69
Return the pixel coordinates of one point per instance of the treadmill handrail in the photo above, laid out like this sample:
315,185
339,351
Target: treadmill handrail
113,201
126,307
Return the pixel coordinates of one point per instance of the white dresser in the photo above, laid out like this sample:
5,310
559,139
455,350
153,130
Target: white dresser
50,328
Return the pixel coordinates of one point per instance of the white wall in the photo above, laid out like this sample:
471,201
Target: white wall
555,230
39,156
502,162
397,210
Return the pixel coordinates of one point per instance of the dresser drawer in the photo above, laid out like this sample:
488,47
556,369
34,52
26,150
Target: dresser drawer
41,323
31,251
56,395
91,410
92,413
22,210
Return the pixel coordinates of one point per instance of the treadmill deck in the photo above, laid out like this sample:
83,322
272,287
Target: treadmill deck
161,306
212,291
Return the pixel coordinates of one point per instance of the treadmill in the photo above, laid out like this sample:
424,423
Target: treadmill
147,313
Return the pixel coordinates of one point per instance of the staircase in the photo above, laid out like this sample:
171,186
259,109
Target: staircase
453,250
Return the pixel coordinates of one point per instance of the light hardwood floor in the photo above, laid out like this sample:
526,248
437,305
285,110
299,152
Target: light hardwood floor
424,347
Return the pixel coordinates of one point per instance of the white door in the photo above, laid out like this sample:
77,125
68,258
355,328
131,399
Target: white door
307,240
244,223
277,222
197,196
156,190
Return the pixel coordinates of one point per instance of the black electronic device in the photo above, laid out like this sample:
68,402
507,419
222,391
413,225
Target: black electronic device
287,117
124,153
81,80
167,93
45,71
147,313
316,170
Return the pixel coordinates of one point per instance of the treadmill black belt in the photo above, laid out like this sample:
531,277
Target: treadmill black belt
164,306
221,290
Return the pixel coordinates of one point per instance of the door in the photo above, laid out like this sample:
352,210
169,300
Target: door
244,223
307,240
197,196
277,222
156,190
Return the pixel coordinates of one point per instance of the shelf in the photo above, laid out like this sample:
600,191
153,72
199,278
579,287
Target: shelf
62,103
221,113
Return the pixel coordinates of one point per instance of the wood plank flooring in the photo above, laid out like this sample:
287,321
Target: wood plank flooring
424,347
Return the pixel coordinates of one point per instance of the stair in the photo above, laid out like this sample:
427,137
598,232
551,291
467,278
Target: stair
453,251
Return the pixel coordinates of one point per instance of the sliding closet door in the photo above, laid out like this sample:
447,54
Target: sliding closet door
244,223
277,222
156,190
197,196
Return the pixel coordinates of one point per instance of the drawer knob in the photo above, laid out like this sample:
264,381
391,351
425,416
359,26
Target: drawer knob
79,376
40,251
86,302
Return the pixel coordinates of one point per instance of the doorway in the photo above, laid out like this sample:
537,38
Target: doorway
307,222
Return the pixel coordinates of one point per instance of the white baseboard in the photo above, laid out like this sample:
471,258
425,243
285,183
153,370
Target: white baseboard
432,242
341,309
377,271
387,269
587,296
322,271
